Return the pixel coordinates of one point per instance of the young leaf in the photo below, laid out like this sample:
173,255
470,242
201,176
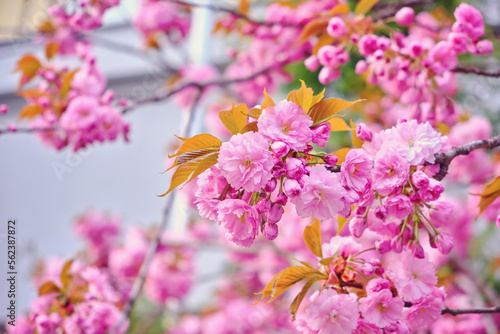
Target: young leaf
339,9
489,195
341,154
29,66
252,126
356,142
268,101
30,111
65,275
234,119
286,279
48,287
302,96
198,142
255,113
66,83
313,28
51,50
341,223
294,307
338,124
324,110
324,39
364,6
312,238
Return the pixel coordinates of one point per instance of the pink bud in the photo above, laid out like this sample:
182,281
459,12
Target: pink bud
281,199
361,67
417,250
367,269
336,27
381,212
12,127
294,168
420,179
330,159
263,206
397,244
308,149
322,134
383,245
275,213
363,132
312,63
278,170
444,243
484,47
292,188
498,221
4,109
270,231
271,185
459,41
328,74
280,149
357,226
405,16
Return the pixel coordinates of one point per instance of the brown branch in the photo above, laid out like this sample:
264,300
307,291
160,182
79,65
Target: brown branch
200,86
236,13
486,310
383,11
476,71
444,159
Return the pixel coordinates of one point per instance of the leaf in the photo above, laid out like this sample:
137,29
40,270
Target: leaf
324,39
252,126
326,261
286,279
235,119
30,111
65,275
244,7
29,66
255,113
364,6
342,222
318,97
312,238
356,142
338,124
51,50
34,93
489,195
198,142
326,109
48,287
268,101
313,28
294,307
302,96
66,83
188,170
341,154
339,9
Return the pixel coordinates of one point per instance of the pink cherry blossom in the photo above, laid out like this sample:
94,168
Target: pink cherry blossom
356,170
240,220
246,162
381,308
390,172
286,122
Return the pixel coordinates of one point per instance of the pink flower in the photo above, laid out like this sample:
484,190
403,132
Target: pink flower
364,327
322,195
312,63
432,192
246,162
286,122
240,220
469,21
390,172
81,113
442,57
329,312
356,170
89,80
459,41
336,27
405,16
381,308
399,206
322,134
211,183
484,47
414,278
424,313
363,132
376,285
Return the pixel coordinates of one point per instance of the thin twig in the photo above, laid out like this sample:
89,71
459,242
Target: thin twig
383,11
444,159
476,71
485,310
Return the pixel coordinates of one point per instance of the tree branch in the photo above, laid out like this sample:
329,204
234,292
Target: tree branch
383,11
477,71
444,159
485,310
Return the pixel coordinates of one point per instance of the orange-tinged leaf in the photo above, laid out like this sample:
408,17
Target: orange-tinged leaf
338,124
317,98
325,109
66,83
312,238
324,39
250,127
48,287
294,307
313,28
198,142
339,10
364,6
34,93
268,289
341,154
29,66
326,261
51,50
268,101
255,113
356,142
289,277
235,119
204,164
244,7
489,195
30,111
302,96
341,223
65,275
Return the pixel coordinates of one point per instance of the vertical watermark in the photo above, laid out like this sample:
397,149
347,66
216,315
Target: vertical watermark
8,286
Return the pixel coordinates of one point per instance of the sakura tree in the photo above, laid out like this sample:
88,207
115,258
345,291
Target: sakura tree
336,215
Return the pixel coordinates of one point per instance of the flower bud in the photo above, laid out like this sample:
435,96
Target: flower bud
4,108
271,185
367,269
263,206
280,149
270,231
275,213
281,199
278,170
322,134
312,63
444,243
363,132
397,244
357,226
381,212
336,27
383,245
292,188
420,179
330,159
405,16
294,168
417,250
